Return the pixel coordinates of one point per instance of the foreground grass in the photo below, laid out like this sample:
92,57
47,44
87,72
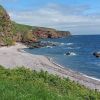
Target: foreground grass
24,84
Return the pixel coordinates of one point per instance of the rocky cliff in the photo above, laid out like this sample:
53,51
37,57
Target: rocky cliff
32,34
5,27
49,33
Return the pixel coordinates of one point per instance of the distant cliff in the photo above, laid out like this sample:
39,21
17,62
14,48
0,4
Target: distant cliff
11,32
49,32
32,34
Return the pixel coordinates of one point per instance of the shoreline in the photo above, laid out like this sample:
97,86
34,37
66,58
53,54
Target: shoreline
83,79
52,61
14,56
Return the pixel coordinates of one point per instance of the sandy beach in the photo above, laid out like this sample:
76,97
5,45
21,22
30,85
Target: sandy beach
14,56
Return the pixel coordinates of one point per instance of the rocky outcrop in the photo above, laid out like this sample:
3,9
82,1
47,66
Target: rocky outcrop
41,44
96,54
37,33
42,32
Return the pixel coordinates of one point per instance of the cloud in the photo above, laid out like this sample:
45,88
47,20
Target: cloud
73,18
69,9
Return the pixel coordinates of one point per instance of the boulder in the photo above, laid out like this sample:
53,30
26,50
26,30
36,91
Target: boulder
96,54
70,53
41,44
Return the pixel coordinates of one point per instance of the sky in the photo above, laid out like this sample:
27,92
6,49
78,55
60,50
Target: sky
77,16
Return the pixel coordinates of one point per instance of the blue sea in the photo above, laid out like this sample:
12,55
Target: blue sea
81,48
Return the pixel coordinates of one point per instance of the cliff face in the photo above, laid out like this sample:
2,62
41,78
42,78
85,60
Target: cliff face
5,27
49,33
63,33
34,33
5,22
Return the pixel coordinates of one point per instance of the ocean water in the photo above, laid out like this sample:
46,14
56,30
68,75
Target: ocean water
81,48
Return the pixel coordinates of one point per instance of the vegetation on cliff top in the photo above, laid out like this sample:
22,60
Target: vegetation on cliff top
25,84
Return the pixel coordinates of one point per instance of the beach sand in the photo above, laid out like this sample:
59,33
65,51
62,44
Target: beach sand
15,56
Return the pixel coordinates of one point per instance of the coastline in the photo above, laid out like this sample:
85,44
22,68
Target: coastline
83,79
73,71
52,61
11,57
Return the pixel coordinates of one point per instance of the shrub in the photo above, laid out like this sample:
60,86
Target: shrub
8,41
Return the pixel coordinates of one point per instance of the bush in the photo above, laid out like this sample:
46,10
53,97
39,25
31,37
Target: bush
27,36
8,41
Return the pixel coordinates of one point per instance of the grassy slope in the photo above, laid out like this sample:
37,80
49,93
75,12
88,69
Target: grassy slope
24,84
21,28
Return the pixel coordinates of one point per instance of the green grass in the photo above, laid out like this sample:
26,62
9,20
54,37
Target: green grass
21,28
25,84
